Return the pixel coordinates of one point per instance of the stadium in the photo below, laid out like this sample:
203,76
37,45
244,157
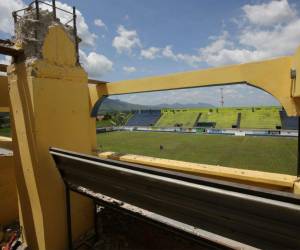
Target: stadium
183,146
266,125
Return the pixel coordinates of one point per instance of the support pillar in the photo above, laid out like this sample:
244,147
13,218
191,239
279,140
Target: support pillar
49,102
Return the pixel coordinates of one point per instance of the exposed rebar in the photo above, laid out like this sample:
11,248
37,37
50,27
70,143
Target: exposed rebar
54,9
75,34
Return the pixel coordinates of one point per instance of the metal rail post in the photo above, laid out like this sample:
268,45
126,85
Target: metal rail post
54,9
69,218
37,9
75,34
37,18
14,14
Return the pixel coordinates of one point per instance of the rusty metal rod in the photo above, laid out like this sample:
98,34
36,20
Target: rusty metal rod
37,9
54,9
75,34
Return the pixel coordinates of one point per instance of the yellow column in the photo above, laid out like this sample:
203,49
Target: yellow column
50,107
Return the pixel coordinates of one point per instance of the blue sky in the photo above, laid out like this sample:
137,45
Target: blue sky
125,39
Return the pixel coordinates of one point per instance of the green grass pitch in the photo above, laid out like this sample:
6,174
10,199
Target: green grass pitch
270,154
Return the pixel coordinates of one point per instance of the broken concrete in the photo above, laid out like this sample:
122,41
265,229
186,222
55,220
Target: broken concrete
31,33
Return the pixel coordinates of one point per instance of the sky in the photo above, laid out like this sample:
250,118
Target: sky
128,39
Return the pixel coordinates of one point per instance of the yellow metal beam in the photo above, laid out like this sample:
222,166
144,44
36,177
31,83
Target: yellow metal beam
272,76
257,178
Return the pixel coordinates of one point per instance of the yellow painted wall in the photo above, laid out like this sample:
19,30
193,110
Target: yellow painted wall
273,76
8,191
50,107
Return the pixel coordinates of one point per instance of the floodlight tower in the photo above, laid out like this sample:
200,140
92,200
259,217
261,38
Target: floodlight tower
222,98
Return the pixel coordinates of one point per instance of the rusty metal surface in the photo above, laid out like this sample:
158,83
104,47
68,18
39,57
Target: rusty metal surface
271,222
205,239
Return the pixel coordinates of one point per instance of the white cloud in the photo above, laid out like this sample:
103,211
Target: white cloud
150,53
126,40
278,41
258,38
98,22
6,9
218,44
192,60
95,64
130,69
271,13
168,53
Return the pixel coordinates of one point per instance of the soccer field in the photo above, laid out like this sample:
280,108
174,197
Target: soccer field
271,154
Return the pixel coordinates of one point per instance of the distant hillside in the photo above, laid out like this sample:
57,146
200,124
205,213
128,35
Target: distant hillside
182,106
117,105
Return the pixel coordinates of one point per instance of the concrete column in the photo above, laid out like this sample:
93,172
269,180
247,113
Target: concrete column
50,107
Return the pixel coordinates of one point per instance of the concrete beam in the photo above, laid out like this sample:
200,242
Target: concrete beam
272,76
256,178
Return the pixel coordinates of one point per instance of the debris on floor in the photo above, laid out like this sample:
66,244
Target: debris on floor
10,237
118,231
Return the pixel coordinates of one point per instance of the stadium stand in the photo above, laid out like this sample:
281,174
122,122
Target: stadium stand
178,118
144,118
288,122
243,117
260,118
222,118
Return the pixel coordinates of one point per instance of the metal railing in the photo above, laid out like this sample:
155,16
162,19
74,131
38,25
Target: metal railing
238,215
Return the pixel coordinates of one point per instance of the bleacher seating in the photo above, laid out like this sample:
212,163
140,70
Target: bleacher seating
240,117
260,118
288,122
178,118
144,118
222,117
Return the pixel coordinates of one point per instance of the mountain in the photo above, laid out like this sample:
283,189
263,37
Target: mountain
117,105
182,106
